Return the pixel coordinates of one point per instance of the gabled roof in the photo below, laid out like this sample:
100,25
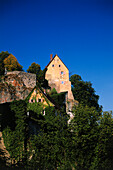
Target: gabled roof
44,95
53,59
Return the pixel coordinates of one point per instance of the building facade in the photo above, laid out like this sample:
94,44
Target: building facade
57,75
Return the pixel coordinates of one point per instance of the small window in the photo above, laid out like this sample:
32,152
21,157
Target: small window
59,65
62,82
39,100
32,100
62,72
53,65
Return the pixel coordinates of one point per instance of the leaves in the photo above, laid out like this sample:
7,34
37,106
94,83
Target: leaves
34,68
3,55
84,92
12,64
85,135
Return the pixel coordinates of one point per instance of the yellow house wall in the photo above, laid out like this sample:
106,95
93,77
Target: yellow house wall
53,73
57,80
36,95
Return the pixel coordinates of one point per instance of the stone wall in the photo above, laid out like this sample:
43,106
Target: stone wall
16,85
29,79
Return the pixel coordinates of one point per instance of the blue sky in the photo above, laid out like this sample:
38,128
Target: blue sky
79,32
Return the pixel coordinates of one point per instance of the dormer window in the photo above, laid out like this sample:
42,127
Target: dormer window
53,65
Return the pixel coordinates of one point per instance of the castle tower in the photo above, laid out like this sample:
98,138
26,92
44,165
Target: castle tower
57,75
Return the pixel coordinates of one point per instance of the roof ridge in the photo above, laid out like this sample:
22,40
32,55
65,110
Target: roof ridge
53,59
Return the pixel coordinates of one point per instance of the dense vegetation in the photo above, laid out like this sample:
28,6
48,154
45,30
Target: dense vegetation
85,143
40,74
37,141
84,92
9,62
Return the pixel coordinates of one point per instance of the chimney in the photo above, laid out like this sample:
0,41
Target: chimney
51,56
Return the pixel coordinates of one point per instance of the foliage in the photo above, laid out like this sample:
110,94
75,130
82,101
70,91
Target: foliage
92,139
86,143
104,149
7,117
85,131
59,98
14,143
3,55
40,74
53,91
12,64
84,92
34,68
35,107
51,145
15,139
41,78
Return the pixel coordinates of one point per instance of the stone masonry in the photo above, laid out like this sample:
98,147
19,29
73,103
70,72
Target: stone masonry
16,85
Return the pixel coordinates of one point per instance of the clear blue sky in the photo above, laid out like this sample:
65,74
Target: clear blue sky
79,32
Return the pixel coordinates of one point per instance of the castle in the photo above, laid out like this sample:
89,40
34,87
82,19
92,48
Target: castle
57,75
18,84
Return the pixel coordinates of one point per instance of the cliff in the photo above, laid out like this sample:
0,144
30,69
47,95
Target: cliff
16,85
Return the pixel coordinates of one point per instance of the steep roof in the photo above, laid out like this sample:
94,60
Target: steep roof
44,95
53,59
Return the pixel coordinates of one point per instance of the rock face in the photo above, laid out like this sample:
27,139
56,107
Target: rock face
16,85
28,79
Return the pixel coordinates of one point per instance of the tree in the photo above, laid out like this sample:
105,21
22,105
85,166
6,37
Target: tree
3,55
84,92
15,139
52,144
53,91
34,68
12,64
104,148
85,135
40,74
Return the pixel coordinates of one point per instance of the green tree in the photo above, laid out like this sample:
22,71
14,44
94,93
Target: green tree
3,55
85,135
84,92
12,64
40,74
34,68
53,91
41,78
104,148
15,140
52,143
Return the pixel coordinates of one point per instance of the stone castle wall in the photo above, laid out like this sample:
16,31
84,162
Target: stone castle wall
16,85
28,79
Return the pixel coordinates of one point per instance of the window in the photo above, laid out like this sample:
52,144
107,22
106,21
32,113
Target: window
59,65
62,72
53,65
39,100
62,82
32,100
